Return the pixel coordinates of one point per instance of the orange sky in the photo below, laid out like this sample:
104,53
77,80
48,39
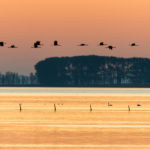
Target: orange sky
116,22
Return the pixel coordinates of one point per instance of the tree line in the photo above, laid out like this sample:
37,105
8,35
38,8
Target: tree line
87,71
14,79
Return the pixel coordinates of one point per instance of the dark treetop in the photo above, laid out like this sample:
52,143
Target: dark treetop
86,71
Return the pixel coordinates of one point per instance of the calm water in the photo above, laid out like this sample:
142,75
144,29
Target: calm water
73,126
75,91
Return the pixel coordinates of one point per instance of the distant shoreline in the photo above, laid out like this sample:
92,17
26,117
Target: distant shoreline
103,86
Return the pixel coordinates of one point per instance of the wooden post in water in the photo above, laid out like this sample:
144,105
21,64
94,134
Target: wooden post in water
129,108
20,106
55,108
91,108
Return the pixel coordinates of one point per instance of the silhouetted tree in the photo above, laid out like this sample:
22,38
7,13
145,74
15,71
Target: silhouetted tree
93,71
11,78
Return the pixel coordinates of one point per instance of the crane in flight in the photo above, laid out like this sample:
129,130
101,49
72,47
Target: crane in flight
12,46
37,44
133,44
2,43
110,47
56,43
83,44
102,44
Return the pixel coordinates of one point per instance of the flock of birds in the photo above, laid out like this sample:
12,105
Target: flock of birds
110,105
91,109
38,44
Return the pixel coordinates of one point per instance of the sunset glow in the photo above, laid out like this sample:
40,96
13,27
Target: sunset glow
116,22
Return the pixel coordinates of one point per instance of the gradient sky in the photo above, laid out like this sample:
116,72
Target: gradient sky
116,22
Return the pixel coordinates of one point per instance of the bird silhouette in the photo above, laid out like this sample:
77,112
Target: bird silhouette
83,44
2,43
110,47
102,44
12,46
37,44
56,43
109,104
133,44
138,105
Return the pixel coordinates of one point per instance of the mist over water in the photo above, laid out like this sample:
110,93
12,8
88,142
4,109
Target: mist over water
74,91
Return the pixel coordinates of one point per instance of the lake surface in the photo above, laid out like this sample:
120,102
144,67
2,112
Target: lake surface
73,126
74,91
74,119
